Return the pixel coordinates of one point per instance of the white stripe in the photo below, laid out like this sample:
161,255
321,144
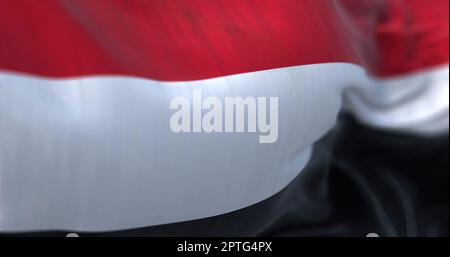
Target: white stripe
417,103
97,153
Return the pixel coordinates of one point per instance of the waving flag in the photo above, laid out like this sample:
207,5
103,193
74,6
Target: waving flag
86,86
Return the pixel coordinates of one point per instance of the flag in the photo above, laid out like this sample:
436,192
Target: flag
86,89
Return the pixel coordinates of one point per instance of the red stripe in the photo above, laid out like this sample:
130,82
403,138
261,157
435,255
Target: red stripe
178,40
413,34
